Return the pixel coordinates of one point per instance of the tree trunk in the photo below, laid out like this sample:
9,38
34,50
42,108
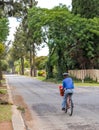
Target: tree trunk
34,68
31,61
0,72
22,65
49,70
61,66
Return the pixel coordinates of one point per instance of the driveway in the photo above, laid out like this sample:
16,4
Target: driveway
44,102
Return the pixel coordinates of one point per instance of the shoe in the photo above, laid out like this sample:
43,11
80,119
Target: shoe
63,109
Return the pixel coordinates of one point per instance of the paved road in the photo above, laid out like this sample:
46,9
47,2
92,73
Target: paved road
44,102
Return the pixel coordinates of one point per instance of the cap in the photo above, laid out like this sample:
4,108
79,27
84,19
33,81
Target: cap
65,74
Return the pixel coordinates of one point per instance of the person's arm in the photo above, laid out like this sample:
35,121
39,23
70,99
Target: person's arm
63,85
72,84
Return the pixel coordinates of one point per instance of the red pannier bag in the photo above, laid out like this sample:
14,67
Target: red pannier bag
61,90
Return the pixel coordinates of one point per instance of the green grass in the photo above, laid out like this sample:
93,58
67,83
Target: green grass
3,81
41,78
5,108
76,83
22,109
48,80
3,91
5,113
86,84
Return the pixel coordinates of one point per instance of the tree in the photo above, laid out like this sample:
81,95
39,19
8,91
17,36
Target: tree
16,8
89,9
30,42
19,48
35,32
56,34
94,29
86,8
1,56
40,62
3,35
19,9
70,38
4,29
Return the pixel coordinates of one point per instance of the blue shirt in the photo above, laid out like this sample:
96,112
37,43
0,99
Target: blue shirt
68,83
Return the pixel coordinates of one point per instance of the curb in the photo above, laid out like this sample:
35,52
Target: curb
17,120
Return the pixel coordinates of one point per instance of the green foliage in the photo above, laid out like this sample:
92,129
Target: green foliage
23,37
16,8
1,49
3,91
4,65
72,40
86,8
17,66
42,73
18,48
35,24
26,64
40,62
3,35
4,30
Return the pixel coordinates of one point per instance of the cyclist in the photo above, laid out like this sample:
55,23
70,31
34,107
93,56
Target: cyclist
68,87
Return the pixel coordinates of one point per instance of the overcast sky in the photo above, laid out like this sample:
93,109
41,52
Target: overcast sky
43,4
52,3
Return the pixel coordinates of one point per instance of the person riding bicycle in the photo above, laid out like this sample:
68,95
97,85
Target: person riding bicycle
68,87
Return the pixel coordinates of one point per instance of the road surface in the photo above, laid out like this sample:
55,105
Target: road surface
44,101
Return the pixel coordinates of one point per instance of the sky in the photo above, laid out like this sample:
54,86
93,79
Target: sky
43,4
51,3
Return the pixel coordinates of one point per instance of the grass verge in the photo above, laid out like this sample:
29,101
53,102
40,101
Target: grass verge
86,84
5,107
3,91
78,84
5,113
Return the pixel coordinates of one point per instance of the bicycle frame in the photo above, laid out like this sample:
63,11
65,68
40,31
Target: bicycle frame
69,104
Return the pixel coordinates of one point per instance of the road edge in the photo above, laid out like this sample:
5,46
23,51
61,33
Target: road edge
17,120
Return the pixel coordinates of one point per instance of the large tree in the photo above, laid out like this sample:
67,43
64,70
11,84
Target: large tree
1,54
16,8
89,9
4,30
54,25
86,8
70,39
19,9
19,48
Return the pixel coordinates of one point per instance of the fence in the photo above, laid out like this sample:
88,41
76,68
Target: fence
82,74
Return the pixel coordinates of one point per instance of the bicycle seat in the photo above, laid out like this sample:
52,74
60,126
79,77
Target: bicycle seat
70,94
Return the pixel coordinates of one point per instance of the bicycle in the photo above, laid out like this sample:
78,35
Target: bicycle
69,104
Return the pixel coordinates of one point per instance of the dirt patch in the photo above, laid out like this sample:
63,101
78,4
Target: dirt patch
19,102
26,114
6,125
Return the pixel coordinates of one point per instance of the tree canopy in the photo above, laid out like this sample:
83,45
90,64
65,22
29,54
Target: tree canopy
86,8
67,36
71,36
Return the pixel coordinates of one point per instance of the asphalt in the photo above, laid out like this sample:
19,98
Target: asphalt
17,120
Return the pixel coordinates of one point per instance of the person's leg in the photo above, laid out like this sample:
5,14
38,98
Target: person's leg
69,91
65,97
64,101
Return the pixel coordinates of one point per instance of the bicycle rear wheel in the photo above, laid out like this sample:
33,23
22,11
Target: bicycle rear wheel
70,109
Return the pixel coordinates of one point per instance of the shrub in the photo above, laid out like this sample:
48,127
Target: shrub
42,73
